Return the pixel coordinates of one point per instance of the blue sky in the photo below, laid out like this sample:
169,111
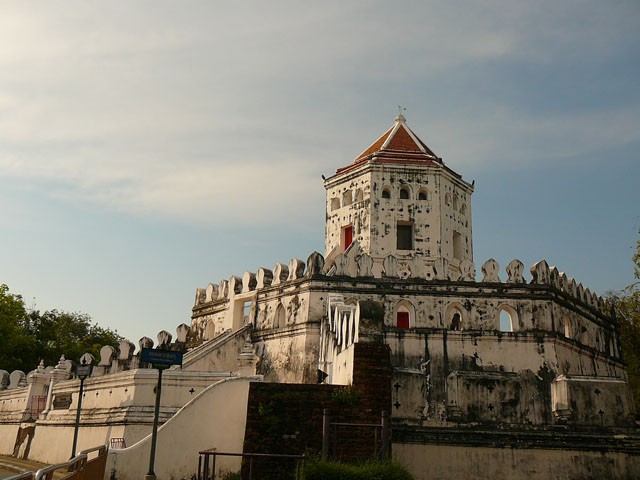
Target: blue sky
149,148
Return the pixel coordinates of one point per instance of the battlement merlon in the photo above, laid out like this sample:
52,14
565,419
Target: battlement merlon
356,264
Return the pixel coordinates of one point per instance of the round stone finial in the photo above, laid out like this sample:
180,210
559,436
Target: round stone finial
400,118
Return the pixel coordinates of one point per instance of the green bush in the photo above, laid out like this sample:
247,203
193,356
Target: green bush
374,470
231,476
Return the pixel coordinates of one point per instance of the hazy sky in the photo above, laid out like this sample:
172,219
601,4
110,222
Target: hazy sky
149,148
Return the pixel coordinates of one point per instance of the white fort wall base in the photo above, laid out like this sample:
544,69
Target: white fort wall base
120,405
216,418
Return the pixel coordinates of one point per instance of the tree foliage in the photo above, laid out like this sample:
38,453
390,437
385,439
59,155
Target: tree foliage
30,336
13,340
627,303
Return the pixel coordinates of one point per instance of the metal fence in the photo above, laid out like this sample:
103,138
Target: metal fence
22,476
79,467
207,463
336,433
95,466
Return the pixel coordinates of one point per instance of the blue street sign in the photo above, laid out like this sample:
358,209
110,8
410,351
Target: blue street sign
161,358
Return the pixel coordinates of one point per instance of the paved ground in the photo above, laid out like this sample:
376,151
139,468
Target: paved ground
6,473
10,466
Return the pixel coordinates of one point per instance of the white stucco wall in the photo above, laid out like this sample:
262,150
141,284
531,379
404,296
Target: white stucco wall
114,406
216,418
8,433
445,210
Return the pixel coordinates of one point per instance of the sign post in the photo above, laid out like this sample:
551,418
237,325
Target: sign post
160,359
82,372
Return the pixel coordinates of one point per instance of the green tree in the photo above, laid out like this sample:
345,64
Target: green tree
627,305
28,337
72,334
14,342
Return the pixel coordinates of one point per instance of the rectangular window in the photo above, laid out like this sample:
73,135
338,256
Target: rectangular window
405,236
457,246
347,237
403,320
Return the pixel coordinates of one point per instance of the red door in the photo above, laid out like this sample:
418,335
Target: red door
403,320
348,236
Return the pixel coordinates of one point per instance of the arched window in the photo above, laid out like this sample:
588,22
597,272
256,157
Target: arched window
386,193
280,318
463,209
456,321
507,319
453,317
423,195
567,327
404,192
404,315
335,204
347,199
359,195
455,202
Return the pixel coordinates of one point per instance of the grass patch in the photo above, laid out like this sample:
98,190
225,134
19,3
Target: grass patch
373,470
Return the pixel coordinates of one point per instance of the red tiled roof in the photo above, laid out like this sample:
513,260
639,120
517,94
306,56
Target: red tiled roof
398,141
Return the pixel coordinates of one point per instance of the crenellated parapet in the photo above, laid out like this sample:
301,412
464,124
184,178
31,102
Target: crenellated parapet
125,357
354,263
282,274
288,302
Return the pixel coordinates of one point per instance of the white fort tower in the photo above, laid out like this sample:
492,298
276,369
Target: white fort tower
502,373
398,198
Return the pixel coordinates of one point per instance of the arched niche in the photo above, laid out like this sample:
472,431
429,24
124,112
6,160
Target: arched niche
404,315
280,317
567,330
210,330
447,199
454,317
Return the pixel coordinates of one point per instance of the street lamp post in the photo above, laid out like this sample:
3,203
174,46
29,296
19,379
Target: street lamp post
82,372
159,359
151,475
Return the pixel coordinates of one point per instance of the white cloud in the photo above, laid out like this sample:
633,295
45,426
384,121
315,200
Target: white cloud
156,109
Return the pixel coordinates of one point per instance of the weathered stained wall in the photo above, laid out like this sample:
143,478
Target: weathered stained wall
473,351
349,203
488,455
437,205
287,418
218,354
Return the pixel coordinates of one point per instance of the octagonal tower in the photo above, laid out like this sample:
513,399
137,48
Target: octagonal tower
398,198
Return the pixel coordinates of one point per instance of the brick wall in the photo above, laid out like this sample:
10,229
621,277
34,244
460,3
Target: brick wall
287,418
